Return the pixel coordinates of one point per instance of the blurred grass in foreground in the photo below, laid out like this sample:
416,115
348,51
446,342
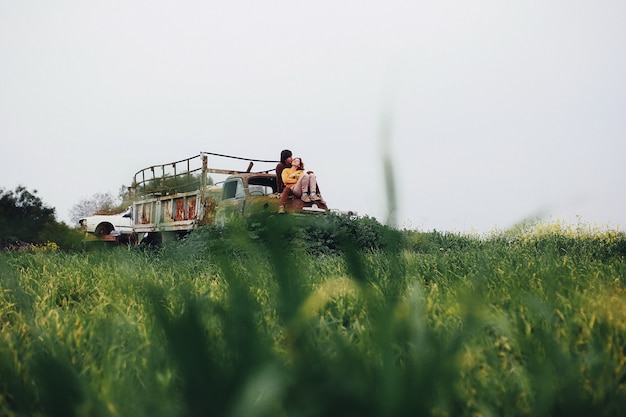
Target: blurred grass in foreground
332,318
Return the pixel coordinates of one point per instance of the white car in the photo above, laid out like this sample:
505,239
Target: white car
119,226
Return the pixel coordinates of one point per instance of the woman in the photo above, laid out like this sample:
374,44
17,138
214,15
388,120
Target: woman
299,183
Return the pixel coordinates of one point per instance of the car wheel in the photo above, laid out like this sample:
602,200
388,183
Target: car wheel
104,229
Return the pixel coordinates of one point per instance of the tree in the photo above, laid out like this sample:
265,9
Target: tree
101,203
124,196
23,216
25,219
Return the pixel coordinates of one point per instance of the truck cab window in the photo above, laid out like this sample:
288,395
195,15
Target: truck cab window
233,189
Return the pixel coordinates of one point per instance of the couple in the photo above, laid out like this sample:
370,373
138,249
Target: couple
292,179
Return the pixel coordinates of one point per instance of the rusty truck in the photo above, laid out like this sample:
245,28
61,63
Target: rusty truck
170,200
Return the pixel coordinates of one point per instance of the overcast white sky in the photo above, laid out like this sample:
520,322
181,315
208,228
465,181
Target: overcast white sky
499,110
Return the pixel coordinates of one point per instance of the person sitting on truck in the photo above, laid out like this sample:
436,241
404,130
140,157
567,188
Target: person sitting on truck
314,187
299,183
285,162
314,191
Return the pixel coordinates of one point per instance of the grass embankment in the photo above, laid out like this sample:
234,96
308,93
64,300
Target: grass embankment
423,324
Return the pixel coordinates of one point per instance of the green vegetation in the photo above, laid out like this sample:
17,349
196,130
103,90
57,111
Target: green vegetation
26,221
332,318
171,184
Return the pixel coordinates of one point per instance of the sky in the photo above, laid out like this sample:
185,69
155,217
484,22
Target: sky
491,113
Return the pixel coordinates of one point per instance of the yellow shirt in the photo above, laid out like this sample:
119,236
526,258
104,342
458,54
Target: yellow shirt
291,181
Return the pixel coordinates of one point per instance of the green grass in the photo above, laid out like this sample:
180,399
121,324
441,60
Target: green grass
530,322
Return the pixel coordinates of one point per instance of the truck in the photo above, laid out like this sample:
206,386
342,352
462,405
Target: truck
170,200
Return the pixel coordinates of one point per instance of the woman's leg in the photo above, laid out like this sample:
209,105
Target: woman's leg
302,186
312,183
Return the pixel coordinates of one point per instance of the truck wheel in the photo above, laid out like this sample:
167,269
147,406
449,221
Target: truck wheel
150,239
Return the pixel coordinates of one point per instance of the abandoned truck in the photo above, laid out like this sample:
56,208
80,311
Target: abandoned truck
171,200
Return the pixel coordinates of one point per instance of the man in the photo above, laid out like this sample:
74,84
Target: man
285,162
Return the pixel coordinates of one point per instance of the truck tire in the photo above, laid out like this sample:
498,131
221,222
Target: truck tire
151,238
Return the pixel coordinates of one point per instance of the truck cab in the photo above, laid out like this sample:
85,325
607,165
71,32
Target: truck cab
245,194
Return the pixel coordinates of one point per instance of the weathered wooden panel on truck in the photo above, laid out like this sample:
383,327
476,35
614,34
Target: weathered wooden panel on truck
166,211
170,209
191,208
169,213
144,212
180,210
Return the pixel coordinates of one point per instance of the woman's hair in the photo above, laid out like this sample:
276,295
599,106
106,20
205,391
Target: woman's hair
284,154
301,167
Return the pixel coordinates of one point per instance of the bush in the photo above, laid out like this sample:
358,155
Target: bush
25,221
331,235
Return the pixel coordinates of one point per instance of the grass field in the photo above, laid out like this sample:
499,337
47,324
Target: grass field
366,322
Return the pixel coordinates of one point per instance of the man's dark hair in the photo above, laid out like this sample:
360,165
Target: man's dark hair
284,154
